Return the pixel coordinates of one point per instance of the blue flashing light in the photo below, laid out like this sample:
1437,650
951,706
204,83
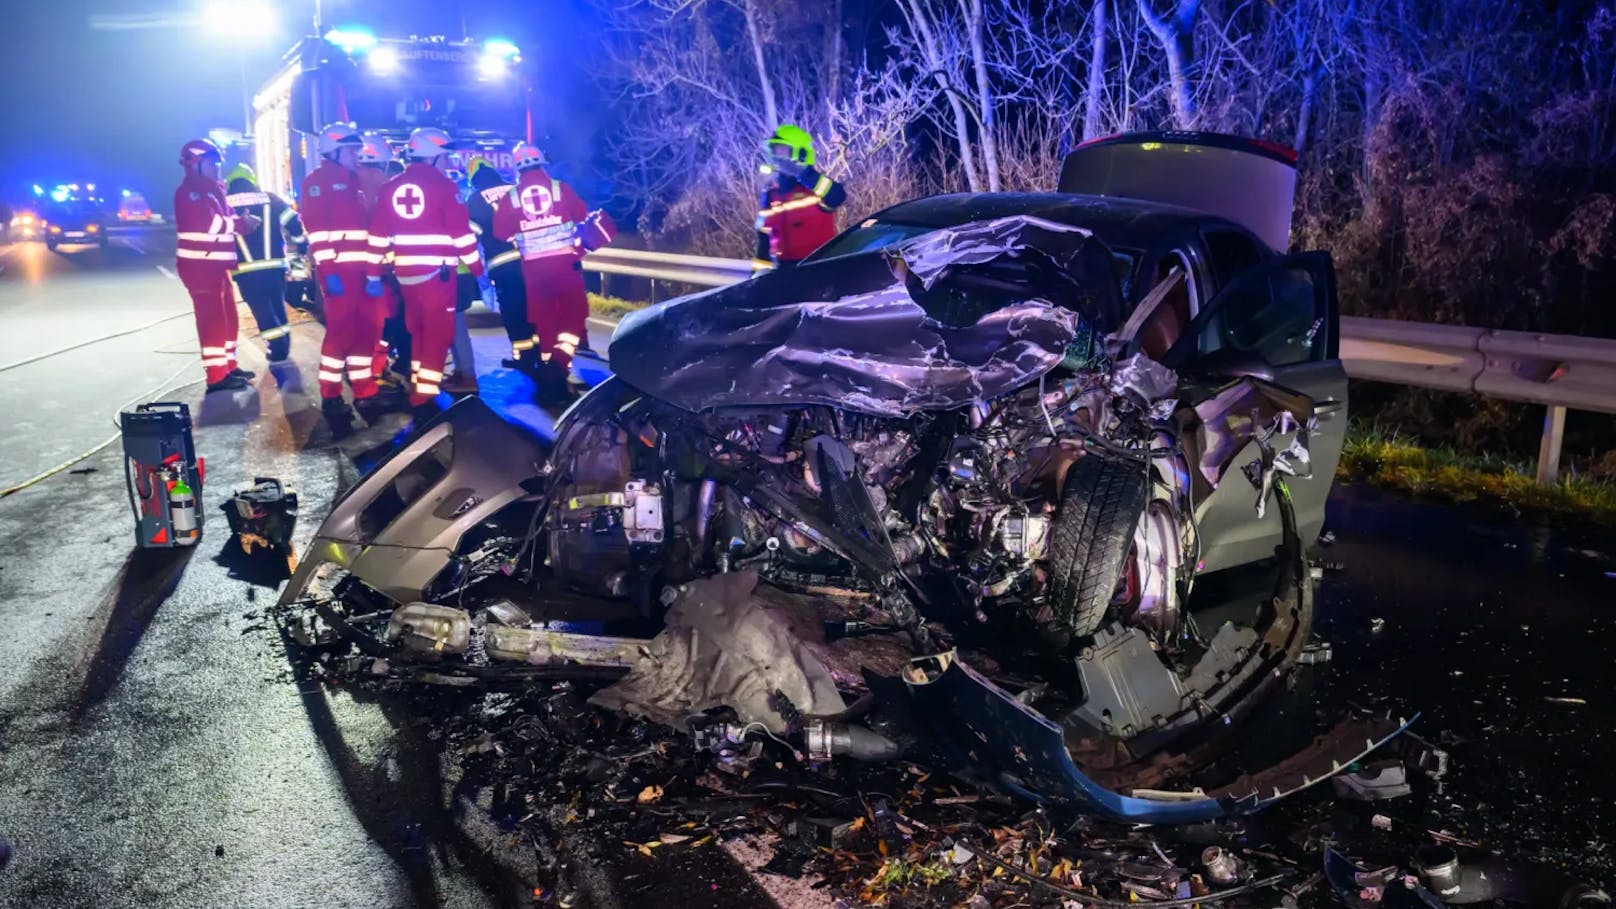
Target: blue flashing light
501,49
352,39
38,190
124,193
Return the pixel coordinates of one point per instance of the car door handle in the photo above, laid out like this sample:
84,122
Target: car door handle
1327,407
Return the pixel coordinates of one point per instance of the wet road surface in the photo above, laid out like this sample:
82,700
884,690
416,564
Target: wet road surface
155,750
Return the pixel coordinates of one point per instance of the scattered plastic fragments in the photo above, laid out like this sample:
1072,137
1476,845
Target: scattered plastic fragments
1377,624
1315,652
1374,782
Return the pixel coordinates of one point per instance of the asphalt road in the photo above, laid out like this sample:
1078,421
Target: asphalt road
155,752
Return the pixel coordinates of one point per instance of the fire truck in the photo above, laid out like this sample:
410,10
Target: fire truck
477,90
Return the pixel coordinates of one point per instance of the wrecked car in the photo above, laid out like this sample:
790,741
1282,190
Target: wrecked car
942,493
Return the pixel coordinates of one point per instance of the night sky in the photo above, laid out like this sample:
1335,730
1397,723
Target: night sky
82,103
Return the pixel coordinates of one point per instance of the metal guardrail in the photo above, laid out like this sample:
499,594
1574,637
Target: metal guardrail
702,271
1560,372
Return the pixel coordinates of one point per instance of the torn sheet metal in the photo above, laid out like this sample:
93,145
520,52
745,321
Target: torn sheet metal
850,334
1147,383
1026,753
726,644
1245,410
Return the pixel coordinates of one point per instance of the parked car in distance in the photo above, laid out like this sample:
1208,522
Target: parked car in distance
75,222
133,208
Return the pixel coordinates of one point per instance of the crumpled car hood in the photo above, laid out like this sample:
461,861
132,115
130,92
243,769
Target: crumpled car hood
846,333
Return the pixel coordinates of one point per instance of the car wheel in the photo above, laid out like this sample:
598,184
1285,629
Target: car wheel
1100,506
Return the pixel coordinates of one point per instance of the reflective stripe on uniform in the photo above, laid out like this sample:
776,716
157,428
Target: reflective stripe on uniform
416,279
333,236
259,265
505,258
776,208
332,362
823,186
197,237
279,331
359,375
423,260
241,200
330,376
226,255
429,375
424,239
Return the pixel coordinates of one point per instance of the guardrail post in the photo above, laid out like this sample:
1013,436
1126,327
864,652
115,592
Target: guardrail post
1548,449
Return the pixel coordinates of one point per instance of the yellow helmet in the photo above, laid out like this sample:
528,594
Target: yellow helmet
241,172
791,142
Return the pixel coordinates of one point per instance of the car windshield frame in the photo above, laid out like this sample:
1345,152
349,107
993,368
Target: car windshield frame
870,236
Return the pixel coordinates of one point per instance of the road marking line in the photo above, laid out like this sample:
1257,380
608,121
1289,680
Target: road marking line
164,270
117,334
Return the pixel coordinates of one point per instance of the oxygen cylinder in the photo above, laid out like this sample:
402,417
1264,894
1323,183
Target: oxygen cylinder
182,513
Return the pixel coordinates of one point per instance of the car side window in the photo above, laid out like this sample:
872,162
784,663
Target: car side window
1231,253
1273,315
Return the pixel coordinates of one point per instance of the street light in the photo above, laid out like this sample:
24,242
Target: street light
241,19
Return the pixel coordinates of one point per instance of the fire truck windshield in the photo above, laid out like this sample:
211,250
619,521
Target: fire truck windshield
398,103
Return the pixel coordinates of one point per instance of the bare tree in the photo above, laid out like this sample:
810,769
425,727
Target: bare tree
1095,88
1173,32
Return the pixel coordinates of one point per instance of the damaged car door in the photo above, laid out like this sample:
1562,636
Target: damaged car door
1278,321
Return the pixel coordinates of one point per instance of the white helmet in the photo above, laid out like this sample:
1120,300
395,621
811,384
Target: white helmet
427,143
528,156
375,149
338,136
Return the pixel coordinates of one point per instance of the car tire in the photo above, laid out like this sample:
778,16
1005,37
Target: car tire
1101,501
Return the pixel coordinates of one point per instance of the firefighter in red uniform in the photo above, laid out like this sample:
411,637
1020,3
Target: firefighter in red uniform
551,229
423,226
207,229
334,216
374,159
797,213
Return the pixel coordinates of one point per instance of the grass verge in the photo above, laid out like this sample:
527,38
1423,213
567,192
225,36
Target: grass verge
613,308
1389,459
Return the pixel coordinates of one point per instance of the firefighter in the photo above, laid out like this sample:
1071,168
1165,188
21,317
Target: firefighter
206,254
504,264
552,229
261,257
425,230
375,162
334,216
797,212
462,380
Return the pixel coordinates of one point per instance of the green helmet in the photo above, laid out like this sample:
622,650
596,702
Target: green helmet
797,144
241,172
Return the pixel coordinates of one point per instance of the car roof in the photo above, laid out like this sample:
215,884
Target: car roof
1117,221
